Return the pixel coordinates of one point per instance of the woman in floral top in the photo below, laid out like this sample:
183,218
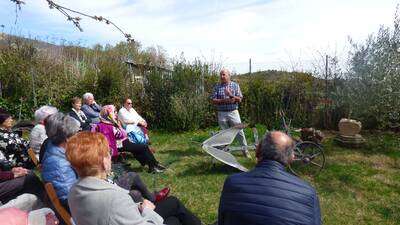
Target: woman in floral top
14,179
13,148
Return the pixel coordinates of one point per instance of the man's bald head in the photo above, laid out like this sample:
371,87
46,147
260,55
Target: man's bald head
225,76
276,146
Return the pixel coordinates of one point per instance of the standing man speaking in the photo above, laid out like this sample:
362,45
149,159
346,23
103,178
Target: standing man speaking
226,97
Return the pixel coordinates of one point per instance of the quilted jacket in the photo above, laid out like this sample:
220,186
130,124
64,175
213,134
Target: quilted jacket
57,170
268,195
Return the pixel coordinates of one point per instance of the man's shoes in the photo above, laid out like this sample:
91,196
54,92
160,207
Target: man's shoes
156,169
161,166
162,194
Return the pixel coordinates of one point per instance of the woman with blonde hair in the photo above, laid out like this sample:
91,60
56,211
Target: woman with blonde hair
78,114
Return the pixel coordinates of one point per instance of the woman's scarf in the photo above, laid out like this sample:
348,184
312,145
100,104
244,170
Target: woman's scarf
107,115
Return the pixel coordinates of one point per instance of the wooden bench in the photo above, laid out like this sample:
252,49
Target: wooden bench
51,193
62,212
34,159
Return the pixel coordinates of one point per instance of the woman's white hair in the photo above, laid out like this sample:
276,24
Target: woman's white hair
87,95
43,112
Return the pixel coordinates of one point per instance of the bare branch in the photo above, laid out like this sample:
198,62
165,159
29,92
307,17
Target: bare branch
18,3
75,19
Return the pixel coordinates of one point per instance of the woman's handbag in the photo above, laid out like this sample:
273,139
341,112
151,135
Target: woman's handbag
135,134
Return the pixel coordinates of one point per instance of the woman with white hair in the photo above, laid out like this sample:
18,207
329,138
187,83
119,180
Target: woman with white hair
38,133
55,167
91,108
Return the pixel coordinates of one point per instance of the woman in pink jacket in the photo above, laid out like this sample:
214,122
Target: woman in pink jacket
110,127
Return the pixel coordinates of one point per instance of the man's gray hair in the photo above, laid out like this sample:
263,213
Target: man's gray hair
226,70
87,95
276,151
60,127
43,112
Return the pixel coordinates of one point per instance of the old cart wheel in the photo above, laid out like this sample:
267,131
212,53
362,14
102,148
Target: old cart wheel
309,159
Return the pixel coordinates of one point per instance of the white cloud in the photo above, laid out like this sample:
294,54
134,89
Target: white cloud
276,34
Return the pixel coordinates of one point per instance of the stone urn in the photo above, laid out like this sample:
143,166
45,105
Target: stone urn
349,133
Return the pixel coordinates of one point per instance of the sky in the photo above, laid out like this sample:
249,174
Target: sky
275,34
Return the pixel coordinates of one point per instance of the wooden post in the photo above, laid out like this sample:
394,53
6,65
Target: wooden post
20,109
33,88
326,76
326,92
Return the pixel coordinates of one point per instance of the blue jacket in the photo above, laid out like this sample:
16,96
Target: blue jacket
92,112
268,195
57,170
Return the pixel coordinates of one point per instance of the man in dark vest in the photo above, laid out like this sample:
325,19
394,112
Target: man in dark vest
268,194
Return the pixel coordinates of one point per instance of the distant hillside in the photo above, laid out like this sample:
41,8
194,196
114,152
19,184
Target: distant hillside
6,39
58,52
275,75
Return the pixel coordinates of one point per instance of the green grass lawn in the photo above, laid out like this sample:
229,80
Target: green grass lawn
358,186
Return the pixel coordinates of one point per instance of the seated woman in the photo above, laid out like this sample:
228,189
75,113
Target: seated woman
58,171
128,116
14,180
78,114
94,201
113,131
38,133
19,181
13,148
55,168
90,107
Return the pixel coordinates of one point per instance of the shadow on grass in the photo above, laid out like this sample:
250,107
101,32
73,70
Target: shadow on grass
208,168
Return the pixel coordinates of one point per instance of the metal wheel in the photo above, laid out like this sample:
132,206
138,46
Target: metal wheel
309,159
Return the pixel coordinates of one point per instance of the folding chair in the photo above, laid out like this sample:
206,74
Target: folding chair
57,204
33,157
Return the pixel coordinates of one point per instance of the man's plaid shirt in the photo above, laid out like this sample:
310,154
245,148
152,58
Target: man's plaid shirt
219,93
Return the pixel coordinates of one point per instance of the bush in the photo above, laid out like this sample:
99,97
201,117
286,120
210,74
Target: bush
179,99
370,90
291,92
173,99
